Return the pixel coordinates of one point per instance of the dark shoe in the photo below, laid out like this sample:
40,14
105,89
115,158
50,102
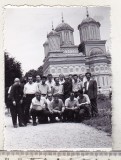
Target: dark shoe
64,120
34,124
21,125
15,126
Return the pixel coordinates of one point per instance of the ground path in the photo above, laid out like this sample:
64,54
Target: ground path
53,136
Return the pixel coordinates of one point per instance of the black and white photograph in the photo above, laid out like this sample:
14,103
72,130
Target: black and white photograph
58,79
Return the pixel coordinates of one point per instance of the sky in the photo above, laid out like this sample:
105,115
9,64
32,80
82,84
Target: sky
26,28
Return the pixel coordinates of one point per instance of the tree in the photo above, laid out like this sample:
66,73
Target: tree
12,69
33,73
40,71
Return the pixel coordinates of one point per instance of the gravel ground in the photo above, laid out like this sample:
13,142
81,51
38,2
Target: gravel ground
53,136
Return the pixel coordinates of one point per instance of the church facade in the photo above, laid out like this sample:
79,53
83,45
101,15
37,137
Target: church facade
62,56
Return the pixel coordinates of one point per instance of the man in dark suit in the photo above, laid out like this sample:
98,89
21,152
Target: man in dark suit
16,95
90,87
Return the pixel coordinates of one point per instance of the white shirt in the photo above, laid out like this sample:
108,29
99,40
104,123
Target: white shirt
29,88
70,104
76,86
38,105
61,82
37,85
87,85
86,98
9,90
50,84
57,89
43,88
48,103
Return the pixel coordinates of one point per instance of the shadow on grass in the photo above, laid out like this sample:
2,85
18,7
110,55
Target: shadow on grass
103,121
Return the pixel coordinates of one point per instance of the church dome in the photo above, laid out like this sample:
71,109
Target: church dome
52,33
64,26
96,51
46,42
89,20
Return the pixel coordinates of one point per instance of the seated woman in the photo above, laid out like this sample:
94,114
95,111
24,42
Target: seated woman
83,110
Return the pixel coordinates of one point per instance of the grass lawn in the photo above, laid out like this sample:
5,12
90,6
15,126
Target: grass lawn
103,121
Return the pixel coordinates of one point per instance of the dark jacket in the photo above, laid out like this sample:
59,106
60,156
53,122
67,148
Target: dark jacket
67,87
16,93
92,89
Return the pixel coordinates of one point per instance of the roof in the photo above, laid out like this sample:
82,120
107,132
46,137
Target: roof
63,26
46,42
88,20
52,33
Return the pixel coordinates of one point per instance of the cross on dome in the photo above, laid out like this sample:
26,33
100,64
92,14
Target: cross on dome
62,18
87,11
52,26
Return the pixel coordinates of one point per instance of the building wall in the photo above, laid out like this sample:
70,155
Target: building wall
67,69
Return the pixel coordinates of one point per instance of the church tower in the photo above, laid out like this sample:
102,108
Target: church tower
89,29
90,40
54,40
66,33
97,60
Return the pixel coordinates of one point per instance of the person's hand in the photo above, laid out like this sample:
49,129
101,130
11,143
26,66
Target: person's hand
14,103
24,95
63,109
51,112
59,112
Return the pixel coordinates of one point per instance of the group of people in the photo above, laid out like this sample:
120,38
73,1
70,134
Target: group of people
53,99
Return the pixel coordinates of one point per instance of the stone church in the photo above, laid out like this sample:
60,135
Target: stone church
62,56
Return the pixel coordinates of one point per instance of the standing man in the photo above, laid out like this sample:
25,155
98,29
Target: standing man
56,108
43,87
61,79
58,89
50,82
67,88
90,87
29,93
16,95
71,105
76,85
38,81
